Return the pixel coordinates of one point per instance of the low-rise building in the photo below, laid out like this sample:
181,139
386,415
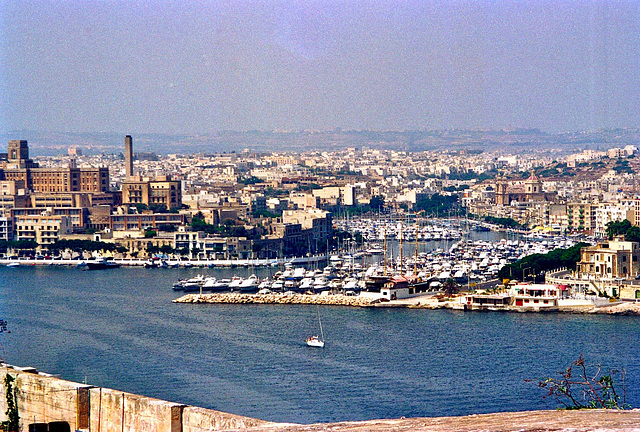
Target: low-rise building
611,259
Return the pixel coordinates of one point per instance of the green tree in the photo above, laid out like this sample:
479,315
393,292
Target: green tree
450,287
633,234
376,202
617,228
166,249
538,263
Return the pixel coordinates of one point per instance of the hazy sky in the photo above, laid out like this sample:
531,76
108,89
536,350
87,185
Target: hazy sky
203,66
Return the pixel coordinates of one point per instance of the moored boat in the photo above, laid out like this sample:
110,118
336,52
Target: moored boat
101,263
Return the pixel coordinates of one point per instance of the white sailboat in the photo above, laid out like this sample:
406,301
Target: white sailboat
317,341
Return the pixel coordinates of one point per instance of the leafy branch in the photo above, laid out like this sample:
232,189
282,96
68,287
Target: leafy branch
580,387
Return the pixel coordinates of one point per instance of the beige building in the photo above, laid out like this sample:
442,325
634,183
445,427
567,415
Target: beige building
20,168
611,259
44,229
319,221
581,216
153,192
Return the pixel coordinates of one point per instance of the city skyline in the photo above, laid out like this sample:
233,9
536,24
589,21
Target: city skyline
201,67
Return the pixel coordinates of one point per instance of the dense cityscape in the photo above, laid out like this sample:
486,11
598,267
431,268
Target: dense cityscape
241,207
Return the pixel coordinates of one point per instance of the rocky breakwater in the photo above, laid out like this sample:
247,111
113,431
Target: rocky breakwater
238,298
626,308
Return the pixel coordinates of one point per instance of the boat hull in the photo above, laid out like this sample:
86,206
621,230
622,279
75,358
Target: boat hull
102,266
315,342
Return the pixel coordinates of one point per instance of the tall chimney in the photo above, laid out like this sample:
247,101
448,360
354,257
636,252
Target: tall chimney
128,156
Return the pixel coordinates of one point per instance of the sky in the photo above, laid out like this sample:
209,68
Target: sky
195,67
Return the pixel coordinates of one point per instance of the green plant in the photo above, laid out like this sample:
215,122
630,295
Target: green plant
589,389
13,422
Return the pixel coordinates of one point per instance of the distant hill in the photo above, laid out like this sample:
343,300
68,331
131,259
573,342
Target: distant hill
54,143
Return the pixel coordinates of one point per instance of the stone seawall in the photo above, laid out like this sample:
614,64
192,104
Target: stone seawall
238,298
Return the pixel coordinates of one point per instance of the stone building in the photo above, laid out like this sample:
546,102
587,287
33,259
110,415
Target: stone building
20,168
153,192
44,229
611,259
521,191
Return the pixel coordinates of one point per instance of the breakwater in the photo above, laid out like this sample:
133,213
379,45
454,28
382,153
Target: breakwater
239,298
173,263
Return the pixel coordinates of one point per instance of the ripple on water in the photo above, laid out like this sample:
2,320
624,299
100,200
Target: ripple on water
119,329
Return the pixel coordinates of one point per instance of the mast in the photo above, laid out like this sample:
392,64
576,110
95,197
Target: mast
320,322
415,254
401,237
385,248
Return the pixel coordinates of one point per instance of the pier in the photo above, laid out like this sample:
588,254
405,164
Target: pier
131,262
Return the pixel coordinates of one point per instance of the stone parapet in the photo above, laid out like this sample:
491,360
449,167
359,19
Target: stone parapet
527,421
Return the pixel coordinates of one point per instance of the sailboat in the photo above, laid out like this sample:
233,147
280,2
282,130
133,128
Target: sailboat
315,341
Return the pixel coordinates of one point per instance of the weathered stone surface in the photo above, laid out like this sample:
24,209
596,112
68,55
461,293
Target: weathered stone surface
43,399
204,420
569,421
238,298
626,308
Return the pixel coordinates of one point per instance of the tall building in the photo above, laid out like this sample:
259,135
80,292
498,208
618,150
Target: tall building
128,156
18,155
153,192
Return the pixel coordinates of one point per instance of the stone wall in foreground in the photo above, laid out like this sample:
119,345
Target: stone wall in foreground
44,399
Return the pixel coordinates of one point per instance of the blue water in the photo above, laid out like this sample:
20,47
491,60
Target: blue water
118,328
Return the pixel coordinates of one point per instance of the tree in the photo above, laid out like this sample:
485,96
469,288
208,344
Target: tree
450,287
538,263
376,202
149,233
13,418
617,228
633,234
166,249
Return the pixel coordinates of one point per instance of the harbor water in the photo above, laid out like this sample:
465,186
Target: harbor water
118,328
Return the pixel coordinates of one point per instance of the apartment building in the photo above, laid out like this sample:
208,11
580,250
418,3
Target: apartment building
153,192
44,229
581,216
138,222
6,228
